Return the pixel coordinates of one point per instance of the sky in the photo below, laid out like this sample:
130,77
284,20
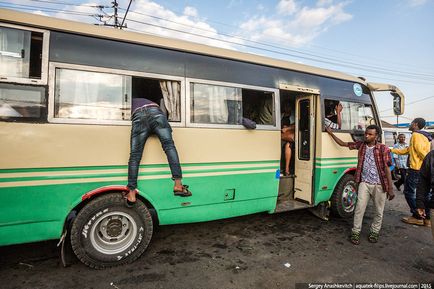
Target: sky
388,41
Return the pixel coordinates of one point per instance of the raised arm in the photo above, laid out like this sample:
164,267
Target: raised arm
339,108
336,139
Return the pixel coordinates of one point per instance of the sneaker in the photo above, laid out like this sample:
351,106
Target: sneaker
373,237
413,221
427,223
355,238
397,187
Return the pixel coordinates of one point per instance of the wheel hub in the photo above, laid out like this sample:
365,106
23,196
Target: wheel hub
114,228
113,232
349,198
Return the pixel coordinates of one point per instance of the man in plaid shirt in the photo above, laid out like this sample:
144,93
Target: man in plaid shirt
374,179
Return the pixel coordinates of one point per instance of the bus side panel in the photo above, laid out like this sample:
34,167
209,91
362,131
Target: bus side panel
331,162
37,212
48,167
218,197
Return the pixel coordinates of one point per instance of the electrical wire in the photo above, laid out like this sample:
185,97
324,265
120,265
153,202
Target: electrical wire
312,57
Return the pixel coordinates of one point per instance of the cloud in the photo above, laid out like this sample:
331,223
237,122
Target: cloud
190,11
415,3
295,29
286,7
152,17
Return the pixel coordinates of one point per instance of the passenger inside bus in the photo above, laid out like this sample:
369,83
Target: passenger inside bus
288,146
333,114
287,136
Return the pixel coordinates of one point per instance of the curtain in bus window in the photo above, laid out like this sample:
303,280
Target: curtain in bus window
216,104
92,95
14,52
172,98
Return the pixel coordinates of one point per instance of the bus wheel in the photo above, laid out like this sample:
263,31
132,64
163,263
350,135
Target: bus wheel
106,233
344,197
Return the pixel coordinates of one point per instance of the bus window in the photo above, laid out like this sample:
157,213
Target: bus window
21,102
354,116
259,106
166,93
216,104
91,95
20,53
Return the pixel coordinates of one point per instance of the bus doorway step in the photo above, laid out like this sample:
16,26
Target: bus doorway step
290,205
321,211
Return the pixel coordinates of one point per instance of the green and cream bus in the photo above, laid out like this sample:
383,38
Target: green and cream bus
65,108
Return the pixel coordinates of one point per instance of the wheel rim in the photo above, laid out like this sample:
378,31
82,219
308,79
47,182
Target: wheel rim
113,233
349,198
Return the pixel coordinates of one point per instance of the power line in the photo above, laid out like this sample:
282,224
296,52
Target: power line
70,4
413,102
332,62
370,67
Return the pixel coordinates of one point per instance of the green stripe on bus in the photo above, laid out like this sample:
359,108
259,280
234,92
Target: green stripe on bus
332,159
110,175
88,168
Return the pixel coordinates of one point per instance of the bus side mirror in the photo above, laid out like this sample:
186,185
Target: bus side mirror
398,106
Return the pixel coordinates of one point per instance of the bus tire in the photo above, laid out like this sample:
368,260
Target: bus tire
344,197
107,234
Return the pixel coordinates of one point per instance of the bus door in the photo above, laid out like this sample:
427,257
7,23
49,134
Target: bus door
304,147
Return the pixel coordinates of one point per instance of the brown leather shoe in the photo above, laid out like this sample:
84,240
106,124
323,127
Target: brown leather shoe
427,223
413,221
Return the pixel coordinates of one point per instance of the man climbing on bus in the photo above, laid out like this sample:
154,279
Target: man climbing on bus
374,178
147,118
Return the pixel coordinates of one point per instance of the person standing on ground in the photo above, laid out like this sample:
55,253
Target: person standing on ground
147,118
426,187
417,150
401,161
374,179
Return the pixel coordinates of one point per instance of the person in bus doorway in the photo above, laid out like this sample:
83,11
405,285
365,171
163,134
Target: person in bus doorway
147,119
425,188
374,178
400,161
417,150
287,136
333,114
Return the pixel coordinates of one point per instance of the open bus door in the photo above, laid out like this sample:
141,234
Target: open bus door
304,155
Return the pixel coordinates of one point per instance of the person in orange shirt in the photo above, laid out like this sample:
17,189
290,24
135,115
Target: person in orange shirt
417,150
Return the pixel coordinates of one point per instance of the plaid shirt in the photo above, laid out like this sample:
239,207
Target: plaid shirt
381,156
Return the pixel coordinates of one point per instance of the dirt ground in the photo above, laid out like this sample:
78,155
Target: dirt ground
256,251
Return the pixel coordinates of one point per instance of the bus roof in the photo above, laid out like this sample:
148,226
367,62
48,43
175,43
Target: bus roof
56,24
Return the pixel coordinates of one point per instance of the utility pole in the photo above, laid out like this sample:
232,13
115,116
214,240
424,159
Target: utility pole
115,16
115,8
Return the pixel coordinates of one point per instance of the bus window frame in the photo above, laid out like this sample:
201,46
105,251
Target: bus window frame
44,62
327,97
52,83
275,91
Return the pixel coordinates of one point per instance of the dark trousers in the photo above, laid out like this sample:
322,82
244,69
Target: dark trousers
412,180
147,121
401,181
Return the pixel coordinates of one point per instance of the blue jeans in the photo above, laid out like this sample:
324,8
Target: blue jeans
411,182
147,121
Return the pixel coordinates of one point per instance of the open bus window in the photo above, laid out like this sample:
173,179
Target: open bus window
92,95
166,93
20,54
216,104
21,102
353,116
258,106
